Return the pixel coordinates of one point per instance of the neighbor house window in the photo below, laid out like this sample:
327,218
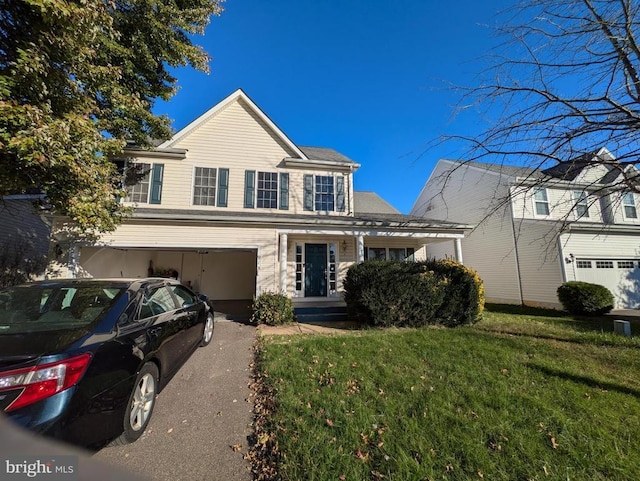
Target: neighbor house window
629,205
210,186
581,204
541,202
324,193
267,190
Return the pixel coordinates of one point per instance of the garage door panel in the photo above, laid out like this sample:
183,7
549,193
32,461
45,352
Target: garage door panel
620,276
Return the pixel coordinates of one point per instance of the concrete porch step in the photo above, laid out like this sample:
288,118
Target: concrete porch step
315,314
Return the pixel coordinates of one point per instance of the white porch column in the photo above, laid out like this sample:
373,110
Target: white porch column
283,263
360,248
458,248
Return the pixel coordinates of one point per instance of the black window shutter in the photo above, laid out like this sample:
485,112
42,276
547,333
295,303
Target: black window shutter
249,188
284,191
308,192
156,183
340,193
223,187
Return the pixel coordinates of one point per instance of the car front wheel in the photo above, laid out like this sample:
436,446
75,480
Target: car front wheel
141,403
207,335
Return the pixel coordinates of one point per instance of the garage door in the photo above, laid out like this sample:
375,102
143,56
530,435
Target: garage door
620,276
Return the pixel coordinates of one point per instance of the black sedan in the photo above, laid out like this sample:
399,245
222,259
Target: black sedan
81,360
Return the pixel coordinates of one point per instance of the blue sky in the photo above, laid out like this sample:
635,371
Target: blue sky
368,78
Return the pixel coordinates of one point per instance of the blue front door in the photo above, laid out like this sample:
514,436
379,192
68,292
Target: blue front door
315,269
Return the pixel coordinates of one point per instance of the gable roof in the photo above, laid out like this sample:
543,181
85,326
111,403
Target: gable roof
567,171
236,96
371,203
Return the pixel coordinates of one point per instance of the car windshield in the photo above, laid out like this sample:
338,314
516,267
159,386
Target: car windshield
48,308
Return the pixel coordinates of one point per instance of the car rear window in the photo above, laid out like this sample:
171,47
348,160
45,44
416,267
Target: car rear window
45,308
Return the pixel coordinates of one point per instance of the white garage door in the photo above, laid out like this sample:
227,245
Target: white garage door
620,276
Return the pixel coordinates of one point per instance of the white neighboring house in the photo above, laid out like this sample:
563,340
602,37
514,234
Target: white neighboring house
547,227
237,208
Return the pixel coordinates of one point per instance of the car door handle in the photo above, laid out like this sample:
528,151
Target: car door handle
155,331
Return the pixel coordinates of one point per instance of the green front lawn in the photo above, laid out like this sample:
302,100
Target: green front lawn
522,395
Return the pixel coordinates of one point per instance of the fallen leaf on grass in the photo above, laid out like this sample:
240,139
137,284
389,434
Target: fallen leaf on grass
330,422
364,457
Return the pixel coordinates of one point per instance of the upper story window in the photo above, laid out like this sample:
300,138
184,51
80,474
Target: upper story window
140,192
629,206
581,204
541,201
210,186
324,193
143,182
267,190
272,190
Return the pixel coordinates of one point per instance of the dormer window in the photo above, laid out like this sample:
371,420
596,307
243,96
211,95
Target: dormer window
629,206
541,201
581,204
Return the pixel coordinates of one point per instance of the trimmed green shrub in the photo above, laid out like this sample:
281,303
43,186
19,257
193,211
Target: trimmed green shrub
273,309
393,293
583,298
464,292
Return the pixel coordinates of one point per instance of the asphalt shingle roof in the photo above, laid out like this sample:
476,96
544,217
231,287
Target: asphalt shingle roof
371,203
322,153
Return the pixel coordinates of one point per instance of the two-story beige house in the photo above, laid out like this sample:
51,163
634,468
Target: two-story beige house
539,228
236,208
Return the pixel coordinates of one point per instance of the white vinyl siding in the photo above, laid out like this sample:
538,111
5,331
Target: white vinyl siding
489,249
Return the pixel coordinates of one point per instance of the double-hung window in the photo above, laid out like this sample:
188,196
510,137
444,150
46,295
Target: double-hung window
629,206
139,192
324,193
266,190
204,186
541,201
267,196
142,182
210,186
580,202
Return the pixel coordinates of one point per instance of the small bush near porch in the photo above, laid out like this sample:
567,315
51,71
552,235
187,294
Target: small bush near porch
412,294
273,309
521,395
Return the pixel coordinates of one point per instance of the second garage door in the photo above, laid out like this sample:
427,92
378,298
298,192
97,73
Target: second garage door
620,276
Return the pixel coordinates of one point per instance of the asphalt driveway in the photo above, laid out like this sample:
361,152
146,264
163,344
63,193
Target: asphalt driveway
201,420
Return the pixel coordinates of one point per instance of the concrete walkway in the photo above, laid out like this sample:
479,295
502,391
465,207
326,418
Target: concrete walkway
298,328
